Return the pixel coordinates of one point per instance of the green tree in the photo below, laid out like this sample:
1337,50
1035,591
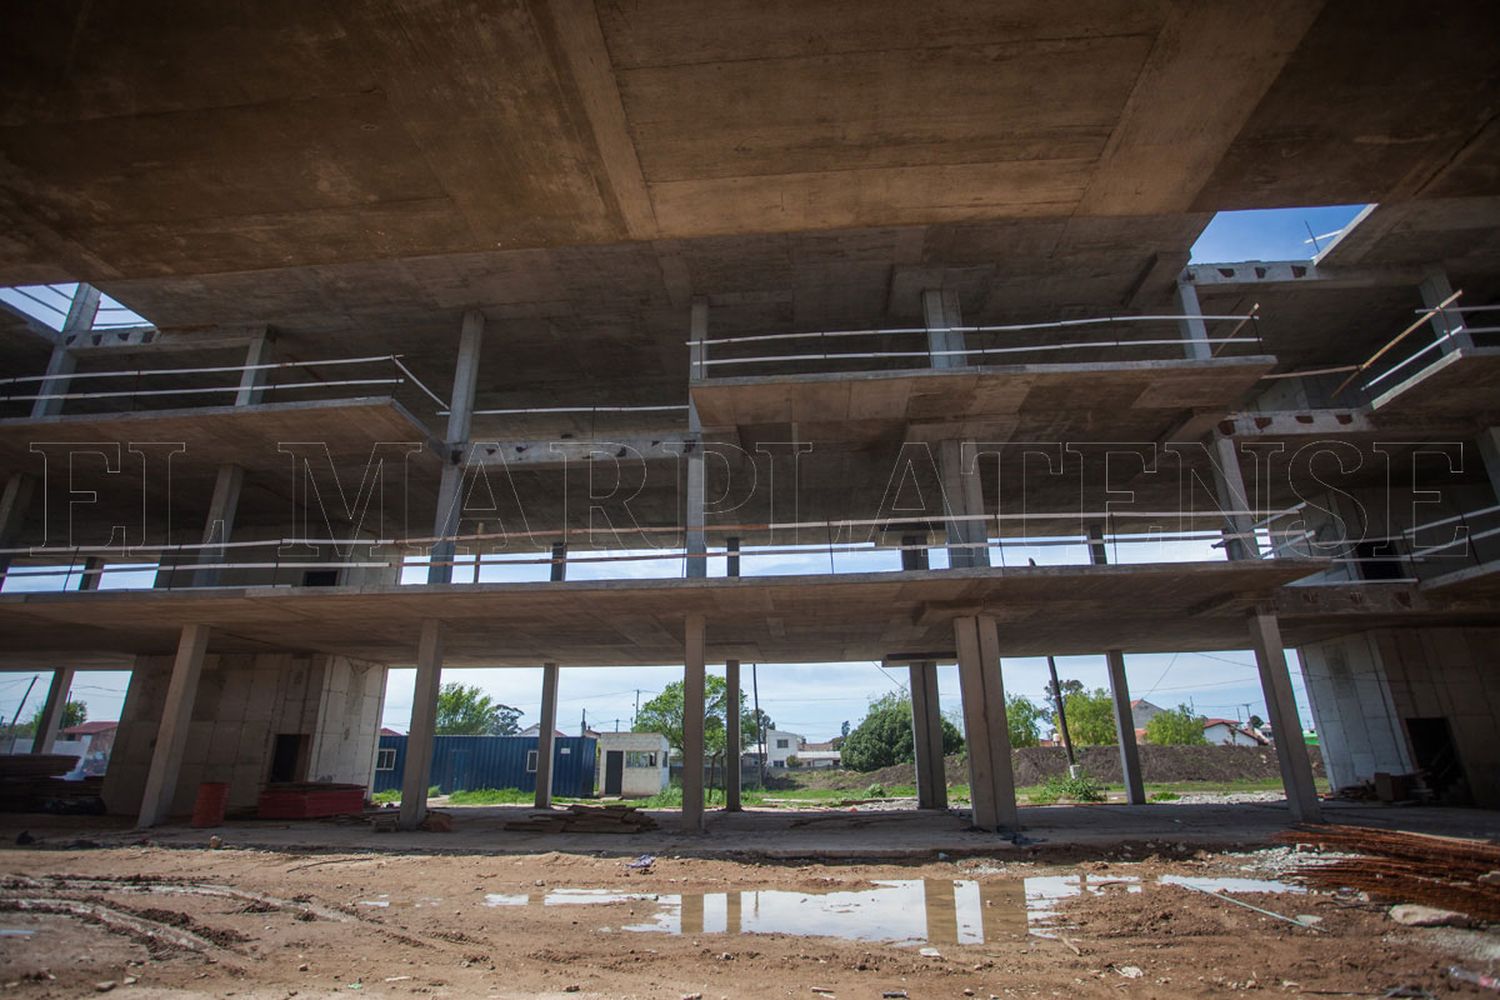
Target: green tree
468,711
1023,717
664,713
1091,719
884,736
74,713
1176,727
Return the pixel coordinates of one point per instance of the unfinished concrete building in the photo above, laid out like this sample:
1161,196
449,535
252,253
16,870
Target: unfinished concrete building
678,284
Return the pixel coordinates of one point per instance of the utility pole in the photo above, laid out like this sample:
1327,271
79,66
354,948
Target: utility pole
17,717
1062,716
760,721
636,715
583,723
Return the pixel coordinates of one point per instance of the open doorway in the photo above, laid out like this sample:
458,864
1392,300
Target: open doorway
1436,755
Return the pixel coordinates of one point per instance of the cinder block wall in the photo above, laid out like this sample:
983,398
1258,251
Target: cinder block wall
1364,686
243,703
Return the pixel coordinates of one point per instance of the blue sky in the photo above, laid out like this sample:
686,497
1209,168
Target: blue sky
814,699
1271,234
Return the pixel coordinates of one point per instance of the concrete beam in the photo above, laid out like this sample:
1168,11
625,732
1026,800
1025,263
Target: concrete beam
1281,706
1295,423
693,681
1246,273
172,734
52,710
732,736
417,774
545,736
927,737
991,781
1130,756
543,453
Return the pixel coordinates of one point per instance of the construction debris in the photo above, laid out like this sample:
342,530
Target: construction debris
1416,915
1442,872
585,819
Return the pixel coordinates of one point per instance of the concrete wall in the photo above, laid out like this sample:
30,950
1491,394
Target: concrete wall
1363,687
243,703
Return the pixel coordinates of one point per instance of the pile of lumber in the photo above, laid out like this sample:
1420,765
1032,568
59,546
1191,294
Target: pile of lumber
585,819
1444,872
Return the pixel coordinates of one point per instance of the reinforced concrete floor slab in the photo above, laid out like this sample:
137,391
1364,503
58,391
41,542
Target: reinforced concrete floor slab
1083,831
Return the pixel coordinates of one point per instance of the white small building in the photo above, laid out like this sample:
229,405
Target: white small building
1231,733
779,746
632,765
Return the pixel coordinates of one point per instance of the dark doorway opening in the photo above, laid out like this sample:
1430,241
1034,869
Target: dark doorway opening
1436,755
289,757
320,578
614,771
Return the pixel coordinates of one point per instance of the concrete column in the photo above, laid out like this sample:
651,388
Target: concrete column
219,524
1448,325
1489,453
941,312
1229,483
62,363
1281,706
927,737
965,496
15,502
460,418
1130,755
991,782
171,736
1194,331
253,379
417,774
60,366
693,680
696,541
1098,551
545,736
559,561
52,710
732,735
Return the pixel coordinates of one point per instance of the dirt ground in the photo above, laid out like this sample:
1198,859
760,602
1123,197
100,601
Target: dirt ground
189,922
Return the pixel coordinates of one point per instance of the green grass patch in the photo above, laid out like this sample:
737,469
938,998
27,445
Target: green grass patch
387,797
491,797
1164,796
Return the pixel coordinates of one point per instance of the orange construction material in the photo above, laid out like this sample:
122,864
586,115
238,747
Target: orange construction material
213,798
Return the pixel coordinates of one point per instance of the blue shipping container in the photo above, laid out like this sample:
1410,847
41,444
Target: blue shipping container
464,763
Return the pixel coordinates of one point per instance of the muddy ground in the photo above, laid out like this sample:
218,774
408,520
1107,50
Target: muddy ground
159,922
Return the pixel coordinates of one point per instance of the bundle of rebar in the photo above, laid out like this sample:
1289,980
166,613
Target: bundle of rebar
1444,872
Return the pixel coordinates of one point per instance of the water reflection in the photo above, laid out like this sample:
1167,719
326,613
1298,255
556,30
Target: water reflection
935,912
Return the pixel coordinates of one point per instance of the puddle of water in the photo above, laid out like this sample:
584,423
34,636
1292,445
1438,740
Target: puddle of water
6,932
910,912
